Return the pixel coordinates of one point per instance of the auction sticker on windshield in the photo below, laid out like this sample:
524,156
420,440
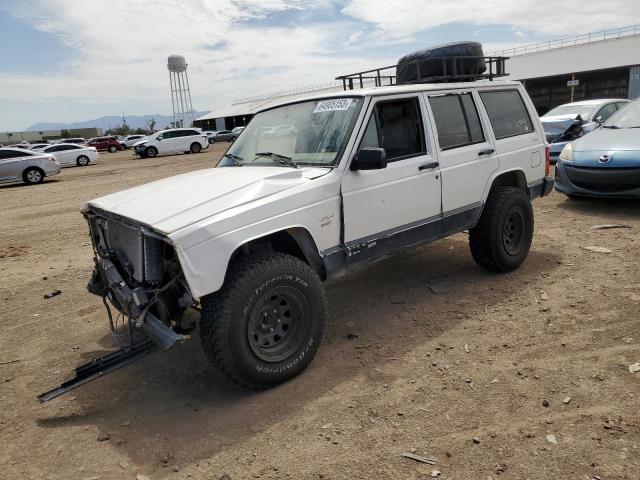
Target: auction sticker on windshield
333,105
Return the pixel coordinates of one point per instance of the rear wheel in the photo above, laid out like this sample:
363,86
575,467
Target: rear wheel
33,175
151,151
265,325
113,149
501,240
82,161
211,141
195,147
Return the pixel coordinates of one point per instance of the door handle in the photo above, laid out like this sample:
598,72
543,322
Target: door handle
488,151
428,166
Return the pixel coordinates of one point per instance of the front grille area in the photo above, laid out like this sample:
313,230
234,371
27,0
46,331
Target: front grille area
604,179
139,255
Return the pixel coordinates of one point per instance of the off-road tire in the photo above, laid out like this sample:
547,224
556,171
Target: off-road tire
495,243
226,320
195,147
33,176
82,161
113,149
151,152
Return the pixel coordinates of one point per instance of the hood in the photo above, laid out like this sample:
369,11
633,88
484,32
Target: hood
173,203
558,124
609,139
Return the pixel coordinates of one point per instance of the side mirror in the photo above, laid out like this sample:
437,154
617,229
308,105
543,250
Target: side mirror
370,158
159,137
599,119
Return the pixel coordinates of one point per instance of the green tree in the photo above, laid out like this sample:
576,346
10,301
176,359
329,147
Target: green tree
64,133
151,123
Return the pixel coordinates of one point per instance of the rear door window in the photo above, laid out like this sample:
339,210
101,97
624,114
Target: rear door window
507,113
13,154
457,120
396,126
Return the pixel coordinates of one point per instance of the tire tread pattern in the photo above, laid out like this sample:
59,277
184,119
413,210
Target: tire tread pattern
484,238
217,311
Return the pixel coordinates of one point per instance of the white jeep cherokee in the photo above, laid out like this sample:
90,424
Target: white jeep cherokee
354,177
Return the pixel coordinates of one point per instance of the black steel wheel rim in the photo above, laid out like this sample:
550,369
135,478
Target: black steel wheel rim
513,231
277,324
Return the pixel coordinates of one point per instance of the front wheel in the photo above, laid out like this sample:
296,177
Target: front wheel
266,323
501,240
82,161
195,147
151,152
33,176
113,149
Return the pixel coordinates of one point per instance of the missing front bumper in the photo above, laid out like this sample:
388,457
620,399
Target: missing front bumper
108,283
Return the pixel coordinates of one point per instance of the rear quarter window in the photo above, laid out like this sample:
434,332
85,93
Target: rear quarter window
507,113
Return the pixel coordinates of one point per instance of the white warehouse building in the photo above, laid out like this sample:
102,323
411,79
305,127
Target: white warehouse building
602,64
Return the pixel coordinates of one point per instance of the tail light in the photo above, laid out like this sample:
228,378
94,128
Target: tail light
547,161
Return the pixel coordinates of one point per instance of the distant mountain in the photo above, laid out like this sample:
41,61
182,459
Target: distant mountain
134,121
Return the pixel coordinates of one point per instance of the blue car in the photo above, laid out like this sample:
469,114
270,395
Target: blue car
605,163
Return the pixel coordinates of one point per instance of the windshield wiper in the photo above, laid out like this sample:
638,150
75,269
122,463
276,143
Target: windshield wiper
610,126
236,159
278,157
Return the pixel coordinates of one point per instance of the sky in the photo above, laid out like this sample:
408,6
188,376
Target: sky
73,60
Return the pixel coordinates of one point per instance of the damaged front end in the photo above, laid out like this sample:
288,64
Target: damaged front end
138,276
563,128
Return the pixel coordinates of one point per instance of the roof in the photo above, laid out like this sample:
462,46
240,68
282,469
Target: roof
253,107
396,89
597,101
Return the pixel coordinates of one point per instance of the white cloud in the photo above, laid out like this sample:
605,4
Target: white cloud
402,18
119,47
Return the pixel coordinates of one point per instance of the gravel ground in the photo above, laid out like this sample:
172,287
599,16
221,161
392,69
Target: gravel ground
517,376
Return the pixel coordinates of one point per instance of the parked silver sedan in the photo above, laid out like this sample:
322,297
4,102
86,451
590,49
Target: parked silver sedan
574,120
26,166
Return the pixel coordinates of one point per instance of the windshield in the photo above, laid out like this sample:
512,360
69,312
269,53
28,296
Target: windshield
584,111
627,117
307,133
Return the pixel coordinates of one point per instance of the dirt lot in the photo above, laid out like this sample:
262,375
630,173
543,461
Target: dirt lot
401,369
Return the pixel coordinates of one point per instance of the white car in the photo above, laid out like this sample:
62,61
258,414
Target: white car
26,166
77,141
174,140
131,140
360,175
70,154
38,146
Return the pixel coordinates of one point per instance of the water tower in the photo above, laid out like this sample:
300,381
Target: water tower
180,94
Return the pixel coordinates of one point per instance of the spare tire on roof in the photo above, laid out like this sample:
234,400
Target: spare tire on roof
431,64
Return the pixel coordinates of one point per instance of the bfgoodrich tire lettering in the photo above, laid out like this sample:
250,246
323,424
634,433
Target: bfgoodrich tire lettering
235,325
501,240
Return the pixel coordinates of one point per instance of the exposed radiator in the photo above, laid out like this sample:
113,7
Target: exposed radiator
139,254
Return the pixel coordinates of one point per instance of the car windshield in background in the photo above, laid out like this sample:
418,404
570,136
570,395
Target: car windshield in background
628,117
307,133
584,111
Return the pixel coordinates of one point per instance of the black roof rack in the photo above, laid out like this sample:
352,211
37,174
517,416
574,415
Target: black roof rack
452,69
